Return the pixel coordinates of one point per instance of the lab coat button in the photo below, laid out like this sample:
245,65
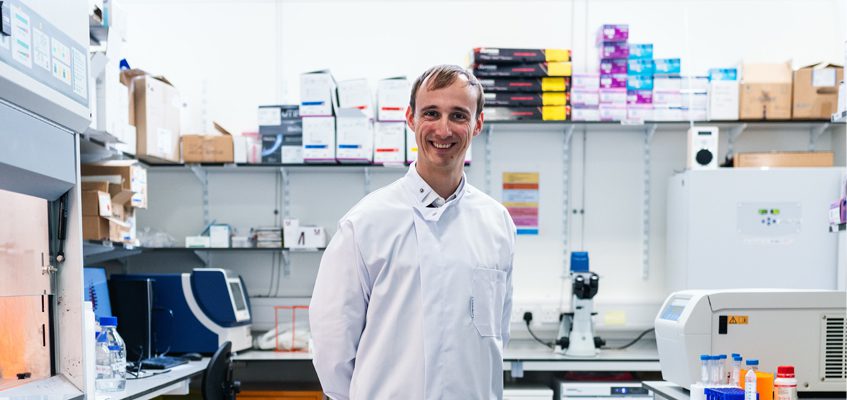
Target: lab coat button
421,190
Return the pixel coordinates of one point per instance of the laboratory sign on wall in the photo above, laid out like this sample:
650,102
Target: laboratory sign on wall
520,196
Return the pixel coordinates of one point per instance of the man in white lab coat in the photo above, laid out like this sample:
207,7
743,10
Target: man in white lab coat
414,292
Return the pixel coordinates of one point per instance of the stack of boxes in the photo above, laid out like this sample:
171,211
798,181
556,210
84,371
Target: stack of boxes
723,94
354,123
111,191
317,109
614,55
640,83
585,97
391,144
281,133
524,84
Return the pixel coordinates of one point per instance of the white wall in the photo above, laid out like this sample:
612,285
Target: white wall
227,57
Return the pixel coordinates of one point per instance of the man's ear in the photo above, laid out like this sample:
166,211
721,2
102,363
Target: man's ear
410,118
479,121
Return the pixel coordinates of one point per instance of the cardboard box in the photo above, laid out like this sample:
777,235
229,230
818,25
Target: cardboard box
723,94
392,98
389,142
785,159
639,97
411,146
590,98
612,112
614,50
219,236
547,84
126,197
639,112
585,81
640,67
668,98
667,82
128,173
319,140
354,137
612,96
615,81
197,242
816,91
667,66
498,55
765,91
155,108
102,186
95,228
640,51
543,113
214,148
281,133
96,203
526,99
355,93
613,66
639,82
317,94
613,33
695,100
585,114
523,70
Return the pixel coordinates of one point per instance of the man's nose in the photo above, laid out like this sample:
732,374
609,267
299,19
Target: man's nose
443,128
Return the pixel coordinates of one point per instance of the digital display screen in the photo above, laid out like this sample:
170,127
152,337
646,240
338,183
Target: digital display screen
704,133
625,390
238,296
674,309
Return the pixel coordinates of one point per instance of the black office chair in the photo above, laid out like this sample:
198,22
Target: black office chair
217,380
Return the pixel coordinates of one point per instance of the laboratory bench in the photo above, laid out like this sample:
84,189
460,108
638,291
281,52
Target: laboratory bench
664,390
524,355
174,382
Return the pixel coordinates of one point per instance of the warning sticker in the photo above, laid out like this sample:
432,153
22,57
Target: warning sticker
737,319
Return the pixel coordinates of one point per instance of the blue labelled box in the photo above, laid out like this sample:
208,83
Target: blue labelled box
640,51
639,82
640,67
723,74
668,65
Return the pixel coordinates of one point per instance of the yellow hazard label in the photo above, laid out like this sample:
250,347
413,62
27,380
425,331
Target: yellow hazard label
737,319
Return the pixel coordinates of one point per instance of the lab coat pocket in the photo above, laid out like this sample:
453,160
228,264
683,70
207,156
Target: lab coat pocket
489,290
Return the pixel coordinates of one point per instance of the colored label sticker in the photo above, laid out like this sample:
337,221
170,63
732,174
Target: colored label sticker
737,319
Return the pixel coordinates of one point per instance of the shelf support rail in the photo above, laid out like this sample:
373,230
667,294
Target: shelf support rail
566,176
489,133
815,133
286,188
734,133
645,216
202,175
367,180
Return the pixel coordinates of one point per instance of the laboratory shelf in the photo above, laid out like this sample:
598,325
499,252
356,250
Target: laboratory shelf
626,125
837,227
96,145
839,117
243,167
96,251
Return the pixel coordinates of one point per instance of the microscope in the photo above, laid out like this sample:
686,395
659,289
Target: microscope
576,329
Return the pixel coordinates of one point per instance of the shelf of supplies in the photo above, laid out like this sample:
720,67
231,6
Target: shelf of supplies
668,124
95,145
97,251
839,117
837,227
242,167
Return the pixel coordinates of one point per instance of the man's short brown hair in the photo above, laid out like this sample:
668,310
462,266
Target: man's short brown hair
441,76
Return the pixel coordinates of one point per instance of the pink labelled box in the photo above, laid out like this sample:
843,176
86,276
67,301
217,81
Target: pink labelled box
639,97
292,328
614,50
613,66
613,81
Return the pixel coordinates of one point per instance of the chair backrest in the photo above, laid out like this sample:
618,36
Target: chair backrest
217,380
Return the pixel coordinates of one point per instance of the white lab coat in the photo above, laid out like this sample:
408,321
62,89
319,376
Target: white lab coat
413,302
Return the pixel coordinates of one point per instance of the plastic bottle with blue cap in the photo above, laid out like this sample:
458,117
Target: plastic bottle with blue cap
735,373
110,357
750,380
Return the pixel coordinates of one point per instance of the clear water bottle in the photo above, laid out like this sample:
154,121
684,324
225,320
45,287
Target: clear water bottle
735,374
110,358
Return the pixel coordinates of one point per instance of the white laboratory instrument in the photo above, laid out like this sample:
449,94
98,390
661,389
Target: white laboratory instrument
803,328
576,329
744,227
703,147
534,392
602,390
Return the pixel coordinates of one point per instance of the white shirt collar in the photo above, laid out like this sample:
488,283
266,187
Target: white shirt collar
425,195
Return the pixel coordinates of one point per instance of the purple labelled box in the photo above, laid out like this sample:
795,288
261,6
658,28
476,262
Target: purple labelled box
582,97
585,81
639,97
610,112
613,96
613,33
614,81
614,50
613,66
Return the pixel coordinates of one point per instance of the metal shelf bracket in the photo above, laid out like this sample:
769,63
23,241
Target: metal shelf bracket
815,133
566,176
734,133
489,138
202,175
645,216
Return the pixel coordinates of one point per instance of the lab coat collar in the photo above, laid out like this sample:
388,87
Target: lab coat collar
423,194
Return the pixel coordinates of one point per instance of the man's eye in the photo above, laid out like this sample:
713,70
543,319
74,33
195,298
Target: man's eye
430,114
460,116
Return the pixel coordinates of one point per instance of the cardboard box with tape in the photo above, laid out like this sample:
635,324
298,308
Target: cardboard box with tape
765,91
211,148
154,110
816,91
